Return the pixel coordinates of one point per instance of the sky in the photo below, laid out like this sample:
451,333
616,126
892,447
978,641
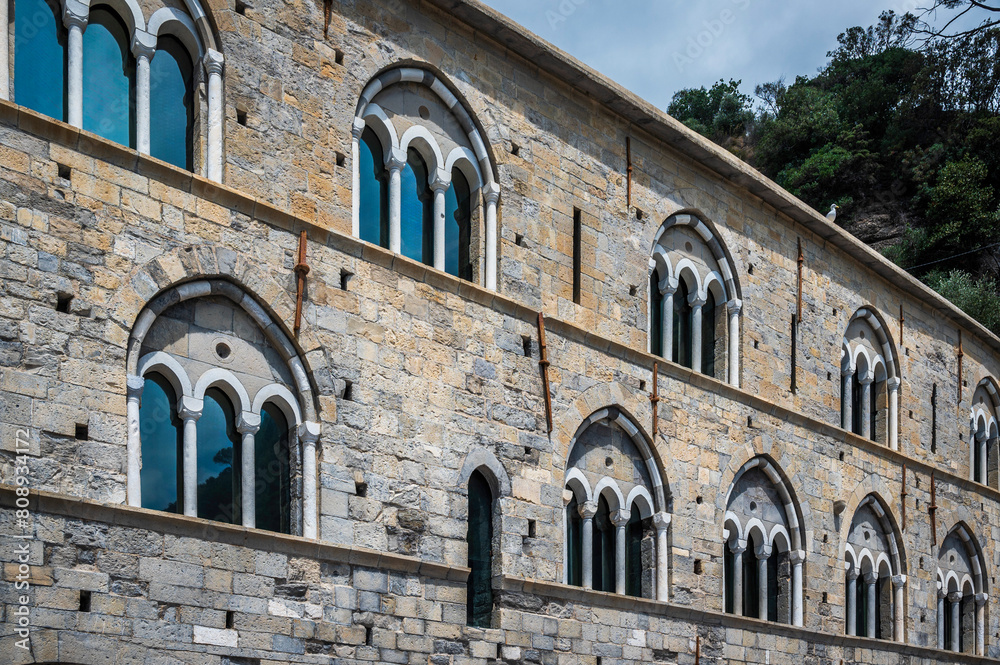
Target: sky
657,47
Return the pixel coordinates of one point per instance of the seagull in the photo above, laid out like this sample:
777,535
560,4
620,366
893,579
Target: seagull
832,215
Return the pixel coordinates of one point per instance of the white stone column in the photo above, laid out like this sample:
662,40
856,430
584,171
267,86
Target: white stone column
852,601
980,452
734,307
439,185
847,399
189,411
587,512
213,67
866,407
763,554
796,558
247,425
75,15
395,167
356,131
696,305
308,436
981,599
941,618
898,608
892,385
620,520
143,48
133,387
4,51
738,547
492,198
870,579
660,522
667,319
955,598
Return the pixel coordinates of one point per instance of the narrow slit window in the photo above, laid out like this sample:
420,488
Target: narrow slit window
577,253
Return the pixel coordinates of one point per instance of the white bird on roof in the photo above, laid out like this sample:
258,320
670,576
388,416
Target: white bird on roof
832,215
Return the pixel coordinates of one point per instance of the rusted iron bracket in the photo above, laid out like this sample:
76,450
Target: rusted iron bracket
961,355
697,650
902,501
902,320
628,173
932,510
654,399
543,362
301,270
327,8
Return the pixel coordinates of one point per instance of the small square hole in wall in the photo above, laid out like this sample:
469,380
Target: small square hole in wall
965,384
632,290
230,619
528,451
368,636
360,488
639,214
526,345
642,384
519,240
345,279
341,159
911,415
241,115
84,601
532,526
348,395
82,432
825,597
698,567
829,376
825,538
756,344
750,269
515,149
835,311
62,302
921,562
698,500
64,172
907,351
841,455
749,421
338,56
241,8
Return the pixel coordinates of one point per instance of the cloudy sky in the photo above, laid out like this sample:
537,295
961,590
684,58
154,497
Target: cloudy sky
656,47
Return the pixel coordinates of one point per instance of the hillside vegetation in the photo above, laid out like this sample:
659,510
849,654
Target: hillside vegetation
901,129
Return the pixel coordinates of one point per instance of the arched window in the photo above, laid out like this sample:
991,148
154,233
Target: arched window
374,191
614,487
983,440
691,278
219,449
874,577
245,457
160,429
272,477
869,379
962,594
441,197
416,208
171,104
479,597
763,546
108,78
39,58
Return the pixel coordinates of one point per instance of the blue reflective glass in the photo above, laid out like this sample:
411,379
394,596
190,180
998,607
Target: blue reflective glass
415,207
39,58
218,460
373,191
457,229
160,432
272,477
171,104
108,79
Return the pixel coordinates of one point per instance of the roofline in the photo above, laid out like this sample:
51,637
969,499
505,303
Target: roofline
657,123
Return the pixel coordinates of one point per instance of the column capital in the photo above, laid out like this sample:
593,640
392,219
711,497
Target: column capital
440,181
980,436
763,551
133,386
696,300
661,521
898,581
955,596
849,371
866,381
620,518
893,383
734,305
143,44
666,287
491,193
75,14
942,593
737,546
358,128
852,572
796,556
309,432
870,577
212,62
396,160
588,509
981,598
248,423
189,408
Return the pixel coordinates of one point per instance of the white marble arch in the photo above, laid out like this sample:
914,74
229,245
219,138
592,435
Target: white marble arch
300,408
475,161
956,585
482,460
723,283
983,435
883,365
166,366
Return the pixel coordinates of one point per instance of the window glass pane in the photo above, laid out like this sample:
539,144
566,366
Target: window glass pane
39,58
728,571
574,540
457,229
480,541
108,79
751,588
603,548
171,103
272,477
160,432
708,336
415,204
655,316
633,554
218,448
374,191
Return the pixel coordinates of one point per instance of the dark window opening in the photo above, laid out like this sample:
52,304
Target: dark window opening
63,301
479,607
84,601
577,251
82,432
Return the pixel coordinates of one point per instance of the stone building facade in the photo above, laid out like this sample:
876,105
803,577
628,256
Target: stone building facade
810,475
